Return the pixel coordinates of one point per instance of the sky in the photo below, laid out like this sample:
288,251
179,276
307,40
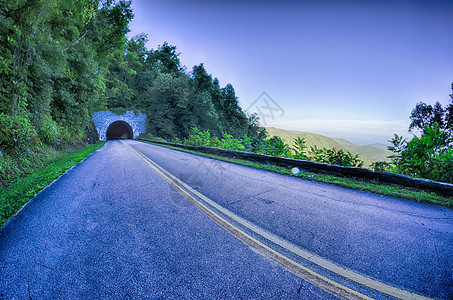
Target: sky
346,69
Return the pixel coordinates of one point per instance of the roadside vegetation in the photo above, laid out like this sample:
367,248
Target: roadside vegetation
273,146
427,155
55,58
21,190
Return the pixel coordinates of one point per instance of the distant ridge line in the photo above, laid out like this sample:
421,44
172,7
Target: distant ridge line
367,153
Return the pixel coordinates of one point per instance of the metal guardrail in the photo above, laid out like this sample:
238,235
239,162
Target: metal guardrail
316,167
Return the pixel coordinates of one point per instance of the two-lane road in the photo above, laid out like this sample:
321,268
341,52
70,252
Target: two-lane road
114,227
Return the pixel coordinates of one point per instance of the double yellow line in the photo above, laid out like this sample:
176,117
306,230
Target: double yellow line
209,207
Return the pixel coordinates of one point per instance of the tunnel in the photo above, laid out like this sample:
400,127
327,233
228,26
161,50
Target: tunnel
119,130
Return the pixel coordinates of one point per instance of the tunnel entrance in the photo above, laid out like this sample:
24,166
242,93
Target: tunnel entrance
119,130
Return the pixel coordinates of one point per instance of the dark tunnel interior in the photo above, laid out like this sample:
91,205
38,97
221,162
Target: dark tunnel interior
119,130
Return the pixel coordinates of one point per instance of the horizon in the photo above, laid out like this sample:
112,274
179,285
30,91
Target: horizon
349,69
357,138
354,140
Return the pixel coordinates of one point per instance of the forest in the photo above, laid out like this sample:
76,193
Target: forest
60,61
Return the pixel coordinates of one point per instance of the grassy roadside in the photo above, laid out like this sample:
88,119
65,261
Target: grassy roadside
14,196
352,183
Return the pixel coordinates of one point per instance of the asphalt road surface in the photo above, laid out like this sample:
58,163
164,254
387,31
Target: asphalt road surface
116,227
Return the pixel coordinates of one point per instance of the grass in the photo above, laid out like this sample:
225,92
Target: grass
347,182
18,193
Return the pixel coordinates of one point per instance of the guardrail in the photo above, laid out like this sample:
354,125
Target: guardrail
316,167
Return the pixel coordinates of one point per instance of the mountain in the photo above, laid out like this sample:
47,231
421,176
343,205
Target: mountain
367,153
380,146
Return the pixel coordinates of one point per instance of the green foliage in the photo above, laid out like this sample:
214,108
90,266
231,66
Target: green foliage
276,147
61,61
165,59
399,145
260,147
443,165
247,142
299,148
424,156
54,57
428,156
198,138
380,166
47,131
228,142
335,157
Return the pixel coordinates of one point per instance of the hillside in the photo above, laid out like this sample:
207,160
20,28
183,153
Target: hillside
368,153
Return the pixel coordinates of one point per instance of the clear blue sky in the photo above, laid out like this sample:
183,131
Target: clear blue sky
350,69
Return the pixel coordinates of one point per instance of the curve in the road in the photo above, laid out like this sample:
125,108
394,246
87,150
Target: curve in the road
215,212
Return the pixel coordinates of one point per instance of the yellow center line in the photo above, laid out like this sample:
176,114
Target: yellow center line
300,270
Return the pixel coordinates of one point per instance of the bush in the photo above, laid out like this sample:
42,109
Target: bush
228,142
443,164
427,156
47,131
380,166
198,137
247,142
299,148
335,157
259,147
276,147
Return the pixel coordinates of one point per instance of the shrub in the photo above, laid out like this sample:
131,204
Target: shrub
16,134
299,148
47,131
380,166
198,137
276,147
430,155
247,142
228,142
335,157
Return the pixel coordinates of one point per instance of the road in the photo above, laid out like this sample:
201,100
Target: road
114,227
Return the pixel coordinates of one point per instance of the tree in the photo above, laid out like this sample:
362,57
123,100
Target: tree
165,59
54,57
421,116
427,155
430,155
425,116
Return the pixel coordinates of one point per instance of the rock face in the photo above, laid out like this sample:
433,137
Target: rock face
103,119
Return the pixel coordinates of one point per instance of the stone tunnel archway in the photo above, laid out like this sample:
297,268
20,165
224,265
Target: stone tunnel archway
119,130
133,119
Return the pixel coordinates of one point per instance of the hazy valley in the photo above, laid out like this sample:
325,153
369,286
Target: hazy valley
368,153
